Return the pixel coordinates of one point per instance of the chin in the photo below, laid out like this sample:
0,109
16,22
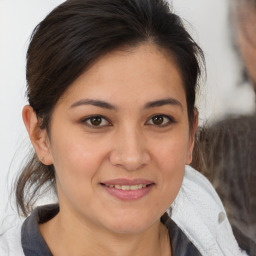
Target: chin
131,224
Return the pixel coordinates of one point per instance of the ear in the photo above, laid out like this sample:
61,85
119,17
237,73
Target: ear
38,137
192,138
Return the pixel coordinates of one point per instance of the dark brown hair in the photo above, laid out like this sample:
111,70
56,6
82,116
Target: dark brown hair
72,37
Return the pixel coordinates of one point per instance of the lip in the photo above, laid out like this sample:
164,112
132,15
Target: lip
128,182
128,195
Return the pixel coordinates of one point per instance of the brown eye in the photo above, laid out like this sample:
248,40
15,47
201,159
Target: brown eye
96,121
158,120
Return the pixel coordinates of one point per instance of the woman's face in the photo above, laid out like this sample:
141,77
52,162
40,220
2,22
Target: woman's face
120,139
246,37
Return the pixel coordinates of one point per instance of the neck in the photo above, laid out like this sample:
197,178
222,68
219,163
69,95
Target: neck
80,238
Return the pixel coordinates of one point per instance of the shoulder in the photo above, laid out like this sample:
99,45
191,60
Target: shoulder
199,212
10,236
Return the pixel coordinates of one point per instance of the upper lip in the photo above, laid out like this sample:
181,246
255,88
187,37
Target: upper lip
128,182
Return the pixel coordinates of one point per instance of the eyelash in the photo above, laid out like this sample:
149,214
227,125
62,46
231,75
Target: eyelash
88,121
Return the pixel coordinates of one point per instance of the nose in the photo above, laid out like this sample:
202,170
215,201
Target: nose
129,151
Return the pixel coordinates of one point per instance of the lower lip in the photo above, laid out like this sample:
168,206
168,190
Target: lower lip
128,194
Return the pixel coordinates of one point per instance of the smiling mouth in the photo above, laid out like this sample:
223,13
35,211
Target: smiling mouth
127,187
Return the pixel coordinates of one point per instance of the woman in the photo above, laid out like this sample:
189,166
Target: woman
111,116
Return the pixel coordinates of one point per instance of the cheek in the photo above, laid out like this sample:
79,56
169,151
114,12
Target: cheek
172,166
173,150
77,162
77,170
171,159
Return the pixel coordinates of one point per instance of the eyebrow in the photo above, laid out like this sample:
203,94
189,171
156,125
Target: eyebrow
162,102
97,103
106,105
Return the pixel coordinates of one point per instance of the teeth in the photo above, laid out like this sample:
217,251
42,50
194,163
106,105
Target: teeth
127,187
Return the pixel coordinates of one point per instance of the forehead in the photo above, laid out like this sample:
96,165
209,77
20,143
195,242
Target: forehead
139,73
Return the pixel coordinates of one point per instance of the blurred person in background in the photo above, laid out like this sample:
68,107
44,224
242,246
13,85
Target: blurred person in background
226,151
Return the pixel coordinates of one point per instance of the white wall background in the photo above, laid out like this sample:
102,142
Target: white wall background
207,20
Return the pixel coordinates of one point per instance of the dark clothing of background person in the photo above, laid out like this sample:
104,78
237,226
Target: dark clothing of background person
226,154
